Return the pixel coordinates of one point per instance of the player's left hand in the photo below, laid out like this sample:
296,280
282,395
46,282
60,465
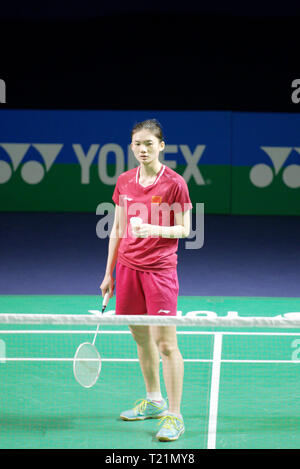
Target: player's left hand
143,231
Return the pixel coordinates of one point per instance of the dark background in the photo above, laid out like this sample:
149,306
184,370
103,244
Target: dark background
153,55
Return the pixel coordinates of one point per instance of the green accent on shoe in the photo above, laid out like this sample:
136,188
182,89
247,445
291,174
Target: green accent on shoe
172,428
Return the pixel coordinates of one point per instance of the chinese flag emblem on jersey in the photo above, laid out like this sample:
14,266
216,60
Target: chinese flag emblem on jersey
156,199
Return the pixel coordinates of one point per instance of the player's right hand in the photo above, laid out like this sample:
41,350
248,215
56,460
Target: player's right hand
107,285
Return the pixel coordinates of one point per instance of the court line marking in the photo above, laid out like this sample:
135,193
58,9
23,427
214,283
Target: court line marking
214,391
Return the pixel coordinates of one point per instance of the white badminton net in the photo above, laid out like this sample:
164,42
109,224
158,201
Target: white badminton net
292,321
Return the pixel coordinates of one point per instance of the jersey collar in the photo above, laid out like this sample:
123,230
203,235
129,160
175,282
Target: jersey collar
158,176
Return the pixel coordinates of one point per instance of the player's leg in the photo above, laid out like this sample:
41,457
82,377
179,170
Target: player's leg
161,293
148,357
172,425
128,287
173,368
153,406
161,297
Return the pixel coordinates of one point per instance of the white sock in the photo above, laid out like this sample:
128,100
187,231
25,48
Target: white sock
176,415
154,396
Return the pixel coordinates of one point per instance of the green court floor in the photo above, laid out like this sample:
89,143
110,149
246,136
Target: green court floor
247,397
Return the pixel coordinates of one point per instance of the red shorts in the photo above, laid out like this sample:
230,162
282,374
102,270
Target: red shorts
152,293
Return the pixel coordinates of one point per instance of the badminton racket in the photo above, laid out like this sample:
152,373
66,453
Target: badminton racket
87,360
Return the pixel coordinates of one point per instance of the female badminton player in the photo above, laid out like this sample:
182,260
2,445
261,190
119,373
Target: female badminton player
146,271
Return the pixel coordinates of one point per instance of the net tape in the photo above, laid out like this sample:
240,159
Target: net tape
293,321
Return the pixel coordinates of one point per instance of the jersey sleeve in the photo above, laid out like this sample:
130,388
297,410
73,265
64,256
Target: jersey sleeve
116,195
181,198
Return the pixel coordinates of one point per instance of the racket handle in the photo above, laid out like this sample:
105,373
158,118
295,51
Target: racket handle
105,301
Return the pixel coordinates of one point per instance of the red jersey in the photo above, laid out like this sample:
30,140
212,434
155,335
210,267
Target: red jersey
156,205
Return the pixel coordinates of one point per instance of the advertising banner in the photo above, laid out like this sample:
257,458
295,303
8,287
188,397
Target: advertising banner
70,160
233,162
265,164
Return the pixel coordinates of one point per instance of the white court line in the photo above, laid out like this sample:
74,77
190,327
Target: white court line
214,391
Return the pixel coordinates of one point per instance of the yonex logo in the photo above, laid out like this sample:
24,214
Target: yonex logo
262,175
32,171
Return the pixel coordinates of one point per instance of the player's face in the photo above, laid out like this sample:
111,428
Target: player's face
146,146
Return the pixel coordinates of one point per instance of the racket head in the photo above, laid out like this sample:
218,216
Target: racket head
86,365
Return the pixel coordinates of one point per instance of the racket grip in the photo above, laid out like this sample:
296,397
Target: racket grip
105,301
